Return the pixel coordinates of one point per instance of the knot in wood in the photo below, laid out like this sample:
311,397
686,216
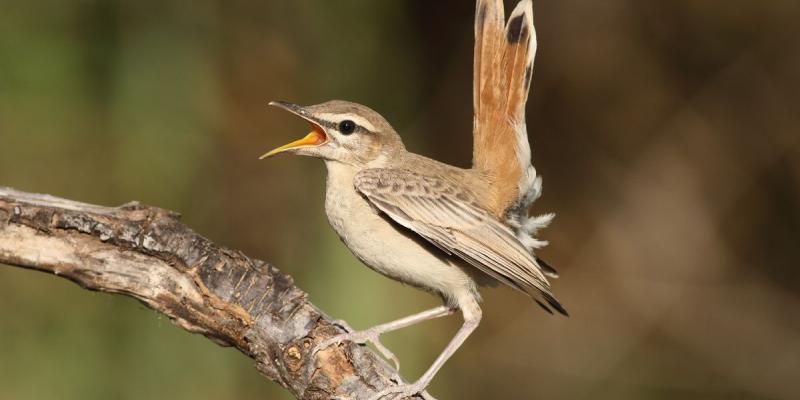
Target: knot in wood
293,358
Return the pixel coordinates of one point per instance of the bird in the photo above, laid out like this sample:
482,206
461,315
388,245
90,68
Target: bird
436,227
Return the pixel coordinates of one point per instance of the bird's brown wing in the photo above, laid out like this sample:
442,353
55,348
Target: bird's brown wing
450,218
503,65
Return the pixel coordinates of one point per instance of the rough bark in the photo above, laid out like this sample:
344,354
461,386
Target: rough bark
148,254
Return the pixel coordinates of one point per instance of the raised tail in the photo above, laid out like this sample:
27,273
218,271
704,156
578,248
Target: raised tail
504,54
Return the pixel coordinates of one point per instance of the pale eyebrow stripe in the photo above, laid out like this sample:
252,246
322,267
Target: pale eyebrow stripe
360,121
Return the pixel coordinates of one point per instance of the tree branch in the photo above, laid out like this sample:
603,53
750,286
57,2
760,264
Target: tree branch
148,254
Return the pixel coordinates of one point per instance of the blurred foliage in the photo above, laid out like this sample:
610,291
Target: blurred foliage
667,134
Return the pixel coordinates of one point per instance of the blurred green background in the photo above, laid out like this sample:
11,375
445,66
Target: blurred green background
666,132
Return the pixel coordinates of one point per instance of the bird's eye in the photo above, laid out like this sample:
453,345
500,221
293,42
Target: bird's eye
347,127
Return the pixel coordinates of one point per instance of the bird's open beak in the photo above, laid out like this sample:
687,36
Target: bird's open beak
315,138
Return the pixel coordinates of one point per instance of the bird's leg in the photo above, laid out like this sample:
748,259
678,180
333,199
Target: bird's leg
472,317
372,335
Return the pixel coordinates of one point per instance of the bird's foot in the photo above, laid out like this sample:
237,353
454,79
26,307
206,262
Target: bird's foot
371,335
402,391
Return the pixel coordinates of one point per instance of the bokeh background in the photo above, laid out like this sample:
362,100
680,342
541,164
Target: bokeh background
666,132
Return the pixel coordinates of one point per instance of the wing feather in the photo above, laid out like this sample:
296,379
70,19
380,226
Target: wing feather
451,219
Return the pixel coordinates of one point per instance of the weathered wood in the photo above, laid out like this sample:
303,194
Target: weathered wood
148,254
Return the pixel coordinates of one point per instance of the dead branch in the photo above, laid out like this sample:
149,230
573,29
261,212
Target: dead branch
148,254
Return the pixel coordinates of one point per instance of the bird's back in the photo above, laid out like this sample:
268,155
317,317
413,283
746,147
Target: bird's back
470,178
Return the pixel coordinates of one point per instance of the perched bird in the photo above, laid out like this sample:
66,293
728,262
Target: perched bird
439,228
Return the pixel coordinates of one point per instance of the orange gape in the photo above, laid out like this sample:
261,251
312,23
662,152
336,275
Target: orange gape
314,138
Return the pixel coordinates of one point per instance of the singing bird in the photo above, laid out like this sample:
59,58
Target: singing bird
439,228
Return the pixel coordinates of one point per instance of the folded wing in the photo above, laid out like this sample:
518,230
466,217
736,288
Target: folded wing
451,219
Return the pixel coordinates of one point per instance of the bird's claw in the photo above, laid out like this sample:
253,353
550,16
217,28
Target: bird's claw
359,337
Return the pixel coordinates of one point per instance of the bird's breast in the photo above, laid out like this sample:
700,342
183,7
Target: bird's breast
355,221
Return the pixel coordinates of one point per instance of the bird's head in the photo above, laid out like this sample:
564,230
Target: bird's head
341,131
